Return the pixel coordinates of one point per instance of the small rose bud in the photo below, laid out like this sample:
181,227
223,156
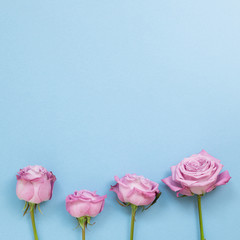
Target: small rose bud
84,203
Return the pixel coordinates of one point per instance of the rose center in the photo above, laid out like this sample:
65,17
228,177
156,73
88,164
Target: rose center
196,165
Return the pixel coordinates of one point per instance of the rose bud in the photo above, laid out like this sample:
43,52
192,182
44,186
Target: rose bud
34,185
136,191
197,174
83,205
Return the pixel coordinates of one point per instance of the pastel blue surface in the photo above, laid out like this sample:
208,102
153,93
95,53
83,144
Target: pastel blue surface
93,89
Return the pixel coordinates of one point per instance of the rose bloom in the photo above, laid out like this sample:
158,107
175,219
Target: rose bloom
84,203
136,190
35,184
197,174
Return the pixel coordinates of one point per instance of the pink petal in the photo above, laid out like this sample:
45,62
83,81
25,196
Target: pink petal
140,198
223,178
171,184
78,209
184,191
205,153
24,190
173,169
36,199
45,191
115,189
95,209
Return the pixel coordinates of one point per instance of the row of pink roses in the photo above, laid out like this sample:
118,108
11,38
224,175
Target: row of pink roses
197,174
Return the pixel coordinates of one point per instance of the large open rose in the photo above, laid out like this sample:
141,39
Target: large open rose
197,174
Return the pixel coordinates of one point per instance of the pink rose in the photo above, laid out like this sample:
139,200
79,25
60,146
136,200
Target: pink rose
84,203
197,174
35,184
136,190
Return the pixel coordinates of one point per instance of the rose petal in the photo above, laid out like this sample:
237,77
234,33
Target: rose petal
204,153
184,191
171,184
115,189
36,199
78,208
223,178
140,198
24,190
45,190
95,209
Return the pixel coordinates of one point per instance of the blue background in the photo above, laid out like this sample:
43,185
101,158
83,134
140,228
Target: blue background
97,88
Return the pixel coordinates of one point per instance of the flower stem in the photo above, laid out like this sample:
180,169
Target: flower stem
83,232
134,209
32,206
83,221
200,217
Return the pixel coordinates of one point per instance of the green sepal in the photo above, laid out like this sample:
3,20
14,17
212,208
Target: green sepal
29,206
193,194
182,196
123,203
38,205
25,209
134,208
155,200
25,206
32,206
84,221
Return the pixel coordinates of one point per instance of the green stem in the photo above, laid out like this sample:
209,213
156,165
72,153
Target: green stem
200,217
134,209
32,205
83,231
